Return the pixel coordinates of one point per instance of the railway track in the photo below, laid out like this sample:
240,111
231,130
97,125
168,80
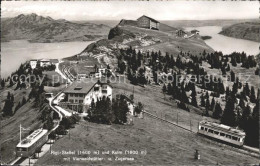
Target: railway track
254,152
67,73
18,160
172,123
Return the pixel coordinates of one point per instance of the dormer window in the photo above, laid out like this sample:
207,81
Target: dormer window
77,88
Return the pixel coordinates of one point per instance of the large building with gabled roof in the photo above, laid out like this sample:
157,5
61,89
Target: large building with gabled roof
148,22
86,90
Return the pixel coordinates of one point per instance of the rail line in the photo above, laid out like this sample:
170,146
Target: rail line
254,152
18,160
172,123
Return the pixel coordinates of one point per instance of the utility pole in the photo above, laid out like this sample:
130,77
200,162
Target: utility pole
177,116
190,125
20,132
133,91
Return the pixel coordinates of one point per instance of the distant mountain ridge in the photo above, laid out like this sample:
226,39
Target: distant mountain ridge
246,30
45,29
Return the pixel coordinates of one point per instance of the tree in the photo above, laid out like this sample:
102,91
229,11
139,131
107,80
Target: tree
217,112
229,117
121,66
17,106
138,109
245,117
233,76
252,128
120,109
48,124
2,83
246,89
241,103
212,104
183,106
202,101
207,104
252,95
193,98
24,100
8,107
164,88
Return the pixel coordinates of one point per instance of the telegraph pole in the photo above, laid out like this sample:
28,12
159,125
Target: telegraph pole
190,125
133,91
20,132
177,116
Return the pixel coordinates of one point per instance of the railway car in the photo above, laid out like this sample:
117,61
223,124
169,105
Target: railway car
31,143
222,132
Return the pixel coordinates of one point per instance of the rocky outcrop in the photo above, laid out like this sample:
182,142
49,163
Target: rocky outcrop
117,31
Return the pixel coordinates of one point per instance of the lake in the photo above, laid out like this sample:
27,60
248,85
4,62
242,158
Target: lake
16,52
226,44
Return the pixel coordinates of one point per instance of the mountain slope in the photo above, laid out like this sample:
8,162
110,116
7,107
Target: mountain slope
125,35
246,30
45,29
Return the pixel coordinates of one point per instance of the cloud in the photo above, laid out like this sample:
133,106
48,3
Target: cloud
116,10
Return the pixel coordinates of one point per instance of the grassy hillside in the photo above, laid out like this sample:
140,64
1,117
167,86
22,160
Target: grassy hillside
246,30
27,116
143,39
165,144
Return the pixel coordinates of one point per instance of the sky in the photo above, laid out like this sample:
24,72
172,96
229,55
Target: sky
117,10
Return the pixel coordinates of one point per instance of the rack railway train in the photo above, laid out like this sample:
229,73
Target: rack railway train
28,146
222,132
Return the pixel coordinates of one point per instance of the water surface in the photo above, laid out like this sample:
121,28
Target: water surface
226,44
16,52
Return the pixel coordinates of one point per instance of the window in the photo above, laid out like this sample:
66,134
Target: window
104,87
76,101
210,131
216,132
96,88
71,101
228,136
222,134
206,129
76,95
71,95
80,101
21,149
202,128
234,138
104,91
80,95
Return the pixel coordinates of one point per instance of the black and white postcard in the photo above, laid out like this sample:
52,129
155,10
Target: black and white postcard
129,83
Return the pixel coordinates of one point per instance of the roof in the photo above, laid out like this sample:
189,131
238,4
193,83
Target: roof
149,18
83,86
180,30
44,60
54,60
222,127
194,30
32,138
